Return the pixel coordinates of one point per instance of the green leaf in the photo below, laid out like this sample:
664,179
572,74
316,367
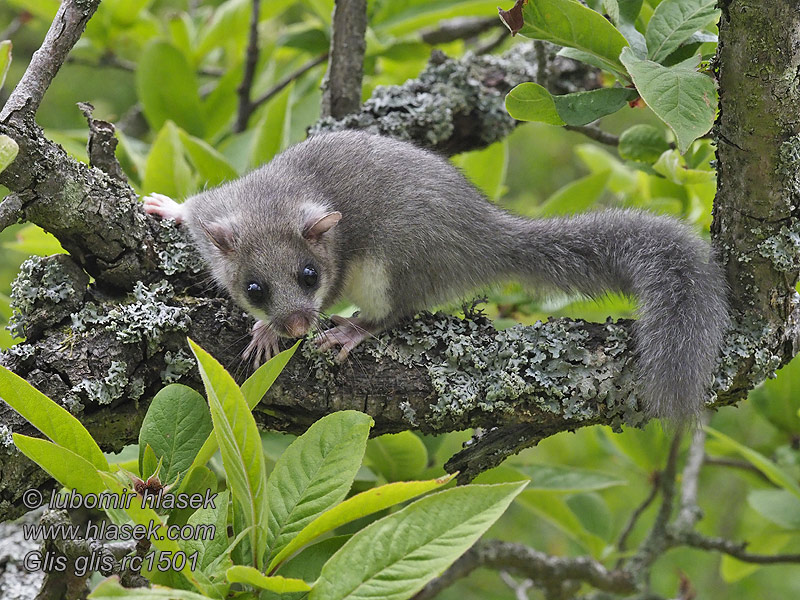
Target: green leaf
143,515
733,570
398,456
553,508
198,480
32,239
51,419
314,474
167,88
276,583
772,471
779,506
8,151
395,557
642,143
593,513
567,479
212,166
253,390
272,130
360,505
580,108
626,23
531,102
110,588
674,21
672,166
681,97
576,196
210,549
486,168
307,565
240,446
66,467
5,63
568,23
259,382
166,170
175,427
148,462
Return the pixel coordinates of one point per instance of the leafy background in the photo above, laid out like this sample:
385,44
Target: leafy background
166,73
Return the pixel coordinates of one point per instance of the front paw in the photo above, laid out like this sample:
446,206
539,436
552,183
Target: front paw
347,334
263,344
163,206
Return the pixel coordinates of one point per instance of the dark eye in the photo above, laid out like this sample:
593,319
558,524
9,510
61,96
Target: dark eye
255,293
308,277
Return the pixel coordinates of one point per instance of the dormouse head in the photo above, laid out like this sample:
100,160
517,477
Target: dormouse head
280,267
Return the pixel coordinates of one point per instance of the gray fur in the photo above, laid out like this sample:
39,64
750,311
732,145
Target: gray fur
436,238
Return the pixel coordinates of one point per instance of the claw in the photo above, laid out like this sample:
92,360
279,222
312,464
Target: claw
348,334
163,206
263,344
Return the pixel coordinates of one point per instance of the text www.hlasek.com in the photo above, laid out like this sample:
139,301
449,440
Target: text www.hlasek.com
103,530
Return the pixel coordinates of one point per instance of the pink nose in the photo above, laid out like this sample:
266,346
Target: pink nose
296,325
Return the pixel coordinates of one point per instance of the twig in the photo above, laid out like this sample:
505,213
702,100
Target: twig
623,538
275,89
459,28
251,61
731,548
549,572
733,463
112,61
520,589
342,86
595,133
102,144
690,512
657,541
10,210
15,25
65,31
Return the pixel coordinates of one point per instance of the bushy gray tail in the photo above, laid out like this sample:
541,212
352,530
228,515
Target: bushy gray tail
682,294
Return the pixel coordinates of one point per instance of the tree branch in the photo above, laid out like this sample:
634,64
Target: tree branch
341,93
251,61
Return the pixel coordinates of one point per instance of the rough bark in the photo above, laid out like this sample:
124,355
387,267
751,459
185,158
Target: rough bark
103,353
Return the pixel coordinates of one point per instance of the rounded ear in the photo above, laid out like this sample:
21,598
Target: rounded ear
220,233
317,226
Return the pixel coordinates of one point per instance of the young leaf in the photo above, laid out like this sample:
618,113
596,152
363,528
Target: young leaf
50,418
674,21
240,446
642,143
773,472
212,166
623,14
253,390
167,88
166,170
779,506
360,505
209,550
66,467
144,515
5,63
398,456
568,23
175,427
531,102
314,474
576,196
110,589
681,97
8,151
672,166
580,108
395,557
276,583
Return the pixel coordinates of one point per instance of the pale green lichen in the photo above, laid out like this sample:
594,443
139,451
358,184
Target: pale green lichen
177,365
547,364
106,390
5,436
179,254
40,281
147,318
749,339
783,248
